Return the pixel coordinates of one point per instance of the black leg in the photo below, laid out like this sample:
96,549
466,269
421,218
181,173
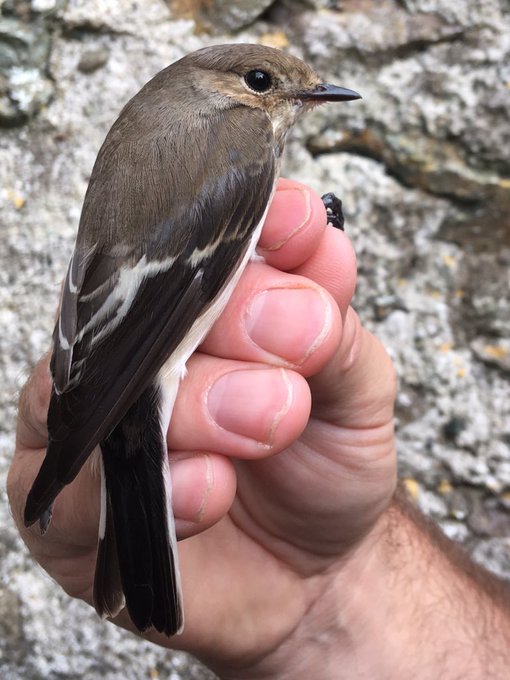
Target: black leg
334,210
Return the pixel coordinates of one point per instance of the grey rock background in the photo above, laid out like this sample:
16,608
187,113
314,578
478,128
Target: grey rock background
422,163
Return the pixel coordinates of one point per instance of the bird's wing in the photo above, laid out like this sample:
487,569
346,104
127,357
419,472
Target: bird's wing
125,310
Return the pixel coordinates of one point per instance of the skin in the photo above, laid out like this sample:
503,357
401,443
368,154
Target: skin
282,447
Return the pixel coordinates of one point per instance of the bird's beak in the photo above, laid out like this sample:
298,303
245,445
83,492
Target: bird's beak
328,93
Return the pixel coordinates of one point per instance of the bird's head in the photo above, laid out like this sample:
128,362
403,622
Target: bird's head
261,77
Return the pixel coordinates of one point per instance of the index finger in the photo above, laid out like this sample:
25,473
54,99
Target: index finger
294,226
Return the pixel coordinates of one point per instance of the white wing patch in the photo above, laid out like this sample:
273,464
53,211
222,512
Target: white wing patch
116,306
73,281
63,341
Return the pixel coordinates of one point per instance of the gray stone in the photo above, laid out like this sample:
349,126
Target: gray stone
494,352
489,519
12,643
221,15
456,531
43,6
91,60
459,504
24,86
494,554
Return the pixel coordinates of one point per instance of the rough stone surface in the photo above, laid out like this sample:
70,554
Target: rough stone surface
423,168
216,16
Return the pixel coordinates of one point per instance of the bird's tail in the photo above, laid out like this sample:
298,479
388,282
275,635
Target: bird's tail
137,553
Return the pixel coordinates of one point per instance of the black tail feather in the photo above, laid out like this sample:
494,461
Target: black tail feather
136,496
108,593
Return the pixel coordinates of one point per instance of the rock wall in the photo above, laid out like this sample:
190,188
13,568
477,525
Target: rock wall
422,164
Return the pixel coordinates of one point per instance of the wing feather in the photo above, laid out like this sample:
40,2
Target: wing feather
125,310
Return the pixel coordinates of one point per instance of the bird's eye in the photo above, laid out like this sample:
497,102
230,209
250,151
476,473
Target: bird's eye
260,81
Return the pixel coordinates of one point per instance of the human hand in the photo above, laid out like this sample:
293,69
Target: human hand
280,505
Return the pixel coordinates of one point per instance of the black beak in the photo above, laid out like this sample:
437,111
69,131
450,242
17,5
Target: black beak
328,93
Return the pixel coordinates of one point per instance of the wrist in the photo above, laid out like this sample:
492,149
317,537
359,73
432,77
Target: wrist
406,603
414,605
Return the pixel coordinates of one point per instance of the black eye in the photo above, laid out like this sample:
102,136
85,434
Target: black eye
260,81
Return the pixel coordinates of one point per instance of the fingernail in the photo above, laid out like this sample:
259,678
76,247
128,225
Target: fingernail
290,323
189,497
251,403
290,211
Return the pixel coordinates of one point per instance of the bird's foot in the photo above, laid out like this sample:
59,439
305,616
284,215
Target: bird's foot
334,210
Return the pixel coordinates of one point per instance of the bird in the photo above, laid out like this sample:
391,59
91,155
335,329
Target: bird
171,217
